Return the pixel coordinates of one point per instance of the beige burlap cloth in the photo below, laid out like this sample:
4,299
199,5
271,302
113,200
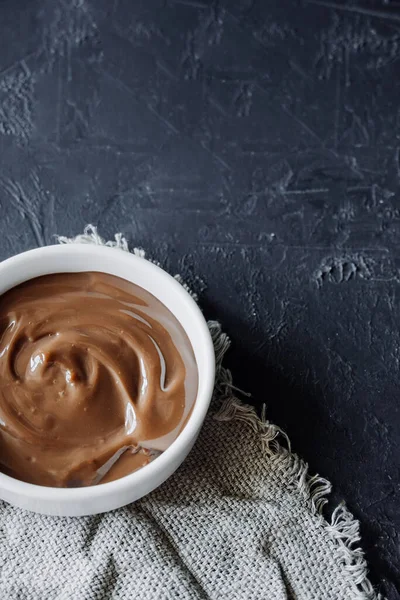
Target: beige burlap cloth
240,519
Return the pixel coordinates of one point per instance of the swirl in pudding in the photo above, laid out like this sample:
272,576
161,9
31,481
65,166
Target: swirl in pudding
97,377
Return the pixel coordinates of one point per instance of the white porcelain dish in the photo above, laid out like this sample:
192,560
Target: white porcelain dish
108,496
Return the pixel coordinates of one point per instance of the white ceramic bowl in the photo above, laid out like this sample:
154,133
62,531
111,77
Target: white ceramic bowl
108,496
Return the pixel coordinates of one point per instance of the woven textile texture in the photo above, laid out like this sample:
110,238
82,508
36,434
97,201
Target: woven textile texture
240,519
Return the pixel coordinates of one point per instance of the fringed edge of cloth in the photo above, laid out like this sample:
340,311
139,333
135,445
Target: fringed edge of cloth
343,529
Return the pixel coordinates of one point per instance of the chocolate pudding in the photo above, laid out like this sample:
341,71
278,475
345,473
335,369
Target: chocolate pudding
97,377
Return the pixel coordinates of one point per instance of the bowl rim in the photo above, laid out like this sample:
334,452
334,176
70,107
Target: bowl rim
200,407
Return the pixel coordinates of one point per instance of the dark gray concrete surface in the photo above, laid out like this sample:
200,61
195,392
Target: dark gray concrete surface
254,146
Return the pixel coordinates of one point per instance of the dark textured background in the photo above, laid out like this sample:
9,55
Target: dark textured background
254,146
